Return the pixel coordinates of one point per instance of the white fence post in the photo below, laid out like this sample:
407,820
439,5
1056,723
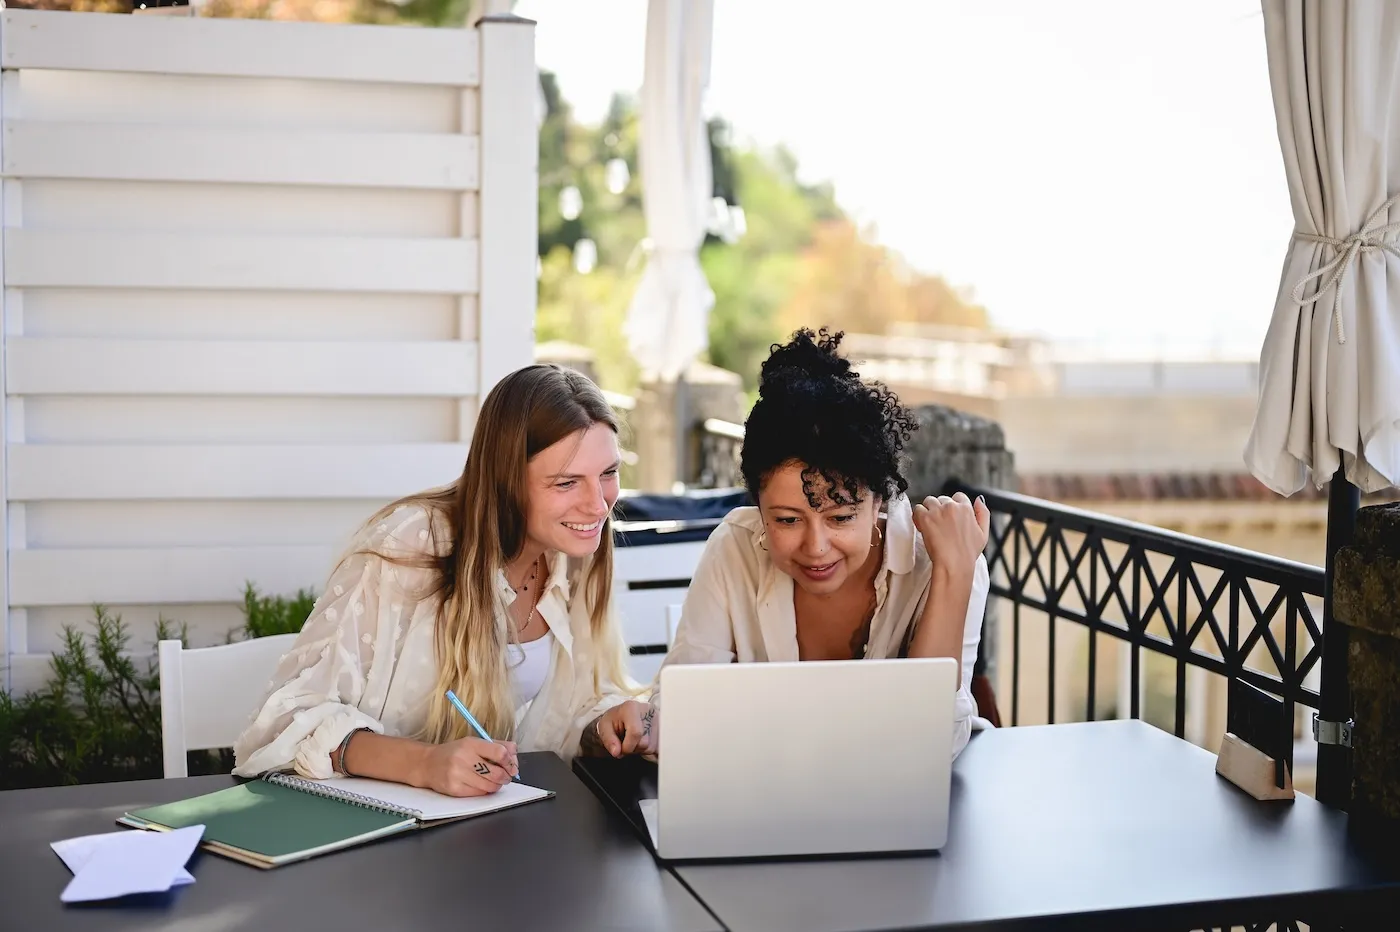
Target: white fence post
509,197
5,638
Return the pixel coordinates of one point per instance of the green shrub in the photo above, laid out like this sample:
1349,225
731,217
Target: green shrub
98,718
265,615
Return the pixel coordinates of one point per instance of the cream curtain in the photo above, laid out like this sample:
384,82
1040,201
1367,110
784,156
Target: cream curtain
1329,386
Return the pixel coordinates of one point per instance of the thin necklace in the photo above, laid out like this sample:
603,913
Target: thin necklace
534,574
539,593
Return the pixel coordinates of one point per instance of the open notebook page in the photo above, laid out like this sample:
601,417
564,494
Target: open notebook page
434,805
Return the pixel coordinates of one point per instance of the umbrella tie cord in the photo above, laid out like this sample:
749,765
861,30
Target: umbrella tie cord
1372,237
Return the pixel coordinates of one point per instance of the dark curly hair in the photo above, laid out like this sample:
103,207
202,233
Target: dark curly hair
814,409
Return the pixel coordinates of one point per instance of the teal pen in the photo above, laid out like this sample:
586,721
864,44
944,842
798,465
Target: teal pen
471,720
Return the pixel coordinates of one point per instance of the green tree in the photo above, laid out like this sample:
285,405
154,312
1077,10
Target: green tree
800,261
754,277
848,281
588,310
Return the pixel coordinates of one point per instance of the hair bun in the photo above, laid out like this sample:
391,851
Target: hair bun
808,356
814,409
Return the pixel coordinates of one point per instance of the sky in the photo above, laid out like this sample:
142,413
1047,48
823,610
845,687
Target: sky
1104,173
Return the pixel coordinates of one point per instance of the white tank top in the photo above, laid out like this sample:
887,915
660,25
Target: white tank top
529,666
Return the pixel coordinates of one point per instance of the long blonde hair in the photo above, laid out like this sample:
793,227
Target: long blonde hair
481,519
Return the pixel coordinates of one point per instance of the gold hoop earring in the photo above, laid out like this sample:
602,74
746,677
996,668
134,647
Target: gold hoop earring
763,540
879,537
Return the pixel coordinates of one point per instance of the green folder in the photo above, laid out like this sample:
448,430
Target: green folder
267,825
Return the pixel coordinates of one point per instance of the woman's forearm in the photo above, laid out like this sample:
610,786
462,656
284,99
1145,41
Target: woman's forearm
939,629
381,757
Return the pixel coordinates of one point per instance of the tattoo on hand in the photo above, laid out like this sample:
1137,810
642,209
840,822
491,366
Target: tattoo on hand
481,768
646,721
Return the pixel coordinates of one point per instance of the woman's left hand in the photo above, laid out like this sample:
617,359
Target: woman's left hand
954,530
630,728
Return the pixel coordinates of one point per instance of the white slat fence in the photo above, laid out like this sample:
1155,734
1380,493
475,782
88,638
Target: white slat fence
256,276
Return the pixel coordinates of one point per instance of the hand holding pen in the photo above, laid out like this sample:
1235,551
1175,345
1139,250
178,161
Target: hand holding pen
457,704
467,766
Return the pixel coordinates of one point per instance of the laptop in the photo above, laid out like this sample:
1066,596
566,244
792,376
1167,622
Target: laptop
814,758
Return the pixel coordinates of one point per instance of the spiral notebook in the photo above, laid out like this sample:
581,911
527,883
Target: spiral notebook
283,818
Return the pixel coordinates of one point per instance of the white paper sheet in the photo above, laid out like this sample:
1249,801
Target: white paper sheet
76,851
120,863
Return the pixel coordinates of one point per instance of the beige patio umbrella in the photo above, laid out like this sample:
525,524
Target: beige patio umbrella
1329,386
667,322
1329,375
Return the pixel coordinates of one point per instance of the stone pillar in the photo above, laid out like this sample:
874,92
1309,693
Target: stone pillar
952,444
652,426
664,432
1366,598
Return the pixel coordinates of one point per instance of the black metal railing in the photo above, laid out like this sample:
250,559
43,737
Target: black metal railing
1232,612
717,445
1074,580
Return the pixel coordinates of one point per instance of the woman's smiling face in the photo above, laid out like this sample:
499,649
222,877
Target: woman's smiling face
819,539
573,486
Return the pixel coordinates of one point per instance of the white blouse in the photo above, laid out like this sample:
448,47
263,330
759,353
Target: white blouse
739,606
365,659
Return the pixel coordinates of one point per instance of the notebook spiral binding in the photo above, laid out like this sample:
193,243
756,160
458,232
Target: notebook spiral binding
325,790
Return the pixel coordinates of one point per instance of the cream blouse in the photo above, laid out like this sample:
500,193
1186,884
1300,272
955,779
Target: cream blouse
365,659
740,608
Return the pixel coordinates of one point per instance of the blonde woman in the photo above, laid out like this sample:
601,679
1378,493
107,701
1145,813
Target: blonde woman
496,587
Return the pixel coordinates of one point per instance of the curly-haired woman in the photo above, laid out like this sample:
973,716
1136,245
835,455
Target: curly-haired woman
833,562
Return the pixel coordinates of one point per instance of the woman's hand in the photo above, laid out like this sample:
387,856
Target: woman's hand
468,767
954,531
630,728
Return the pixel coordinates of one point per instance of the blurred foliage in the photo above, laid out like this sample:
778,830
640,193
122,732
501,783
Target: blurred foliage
800,261
588,310
846,280
751,277
265,615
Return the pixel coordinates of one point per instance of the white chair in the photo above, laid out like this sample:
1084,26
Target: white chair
207,694
644,667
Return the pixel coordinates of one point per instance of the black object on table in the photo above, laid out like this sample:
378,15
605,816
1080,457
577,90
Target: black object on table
1107,825
563,863
1263,722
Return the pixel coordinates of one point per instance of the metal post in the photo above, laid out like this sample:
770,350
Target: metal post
1334,760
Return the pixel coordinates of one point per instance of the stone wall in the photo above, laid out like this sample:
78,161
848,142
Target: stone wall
952,444
1366,594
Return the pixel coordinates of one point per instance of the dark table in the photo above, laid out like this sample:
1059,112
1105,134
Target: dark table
560,864
1108,825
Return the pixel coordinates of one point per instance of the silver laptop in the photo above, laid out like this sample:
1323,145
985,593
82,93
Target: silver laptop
775,759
